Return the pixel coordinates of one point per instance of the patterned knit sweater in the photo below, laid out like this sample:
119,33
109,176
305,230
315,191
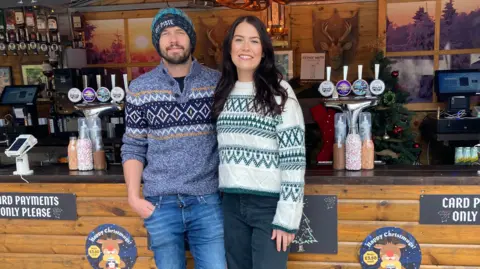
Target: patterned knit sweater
172,132
264,155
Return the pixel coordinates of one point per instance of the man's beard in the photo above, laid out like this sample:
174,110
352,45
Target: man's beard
176,59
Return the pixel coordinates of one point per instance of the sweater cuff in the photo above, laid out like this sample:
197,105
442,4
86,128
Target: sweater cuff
288,216
129,156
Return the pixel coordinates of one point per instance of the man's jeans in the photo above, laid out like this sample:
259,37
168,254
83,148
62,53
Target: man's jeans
248,222
198,219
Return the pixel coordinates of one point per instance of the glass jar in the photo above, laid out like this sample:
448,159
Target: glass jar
99,160
72,153
458,155
368,148
339,145
84,147
353,149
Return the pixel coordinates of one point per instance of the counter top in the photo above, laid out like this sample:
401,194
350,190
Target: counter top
321,175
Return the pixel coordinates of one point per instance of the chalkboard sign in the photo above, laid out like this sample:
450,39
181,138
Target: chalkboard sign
318,227
47,206
450,209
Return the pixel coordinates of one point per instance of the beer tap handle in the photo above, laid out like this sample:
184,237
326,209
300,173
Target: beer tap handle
125,82
113,80
99,81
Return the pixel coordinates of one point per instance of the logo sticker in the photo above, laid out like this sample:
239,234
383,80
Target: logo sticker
110,246
390,248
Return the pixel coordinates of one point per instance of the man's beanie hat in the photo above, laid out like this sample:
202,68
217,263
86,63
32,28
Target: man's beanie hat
169,17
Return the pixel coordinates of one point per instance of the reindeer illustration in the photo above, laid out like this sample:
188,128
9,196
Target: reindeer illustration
216,51
390,254
336,47
214,31
337,36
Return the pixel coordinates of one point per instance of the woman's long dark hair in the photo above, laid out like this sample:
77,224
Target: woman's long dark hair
266,77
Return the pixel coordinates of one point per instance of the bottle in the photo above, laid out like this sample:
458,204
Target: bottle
353,148
72,153
84,147
458,155
99,161
368,148
339,146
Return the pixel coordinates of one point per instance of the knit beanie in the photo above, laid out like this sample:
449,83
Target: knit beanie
169,17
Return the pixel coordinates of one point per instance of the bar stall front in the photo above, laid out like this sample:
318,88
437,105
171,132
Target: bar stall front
392,178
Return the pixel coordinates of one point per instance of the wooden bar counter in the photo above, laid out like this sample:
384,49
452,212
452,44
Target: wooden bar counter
367,200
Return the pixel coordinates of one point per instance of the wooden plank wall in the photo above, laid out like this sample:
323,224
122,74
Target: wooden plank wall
361,210
302,34
299,20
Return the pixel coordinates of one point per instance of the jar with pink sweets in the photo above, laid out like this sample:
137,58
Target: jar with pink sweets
84,147
353,148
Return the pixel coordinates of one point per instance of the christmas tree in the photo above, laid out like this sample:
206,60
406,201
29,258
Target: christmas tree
393,137
306,234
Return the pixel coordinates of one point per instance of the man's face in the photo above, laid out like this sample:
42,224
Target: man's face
174,45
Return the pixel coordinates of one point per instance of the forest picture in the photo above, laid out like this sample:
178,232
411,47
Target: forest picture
415,77
460,29
140,41
410,26
105,41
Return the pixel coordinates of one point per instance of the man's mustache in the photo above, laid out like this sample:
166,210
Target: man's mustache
175,47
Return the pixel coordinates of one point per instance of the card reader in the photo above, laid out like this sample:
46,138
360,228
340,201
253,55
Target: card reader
22,144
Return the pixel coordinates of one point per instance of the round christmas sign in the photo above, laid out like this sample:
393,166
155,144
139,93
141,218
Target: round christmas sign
390,248
111,247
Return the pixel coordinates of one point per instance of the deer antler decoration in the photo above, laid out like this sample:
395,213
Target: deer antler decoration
216,52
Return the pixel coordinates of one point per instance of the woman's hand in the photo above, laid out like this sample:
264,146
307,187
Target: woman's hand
282,237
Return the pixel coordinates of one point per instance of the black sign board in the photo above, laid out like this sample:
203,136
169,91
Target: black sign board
46,206
450,209
318,227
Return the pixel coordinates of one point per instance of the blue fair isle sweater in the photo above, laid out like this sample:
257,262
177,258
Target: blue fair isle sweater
172,132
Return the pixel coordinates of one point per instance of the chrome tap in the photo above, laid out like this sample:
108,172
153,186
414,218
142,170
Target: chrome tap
91,111
6,141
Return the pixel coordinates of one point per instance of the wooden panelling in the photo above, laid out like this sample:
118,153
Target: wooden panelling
38,261
348,230
16,63
389,192
302,35
369,192
459,255
348,209
300,26
378,210
86,190
361,210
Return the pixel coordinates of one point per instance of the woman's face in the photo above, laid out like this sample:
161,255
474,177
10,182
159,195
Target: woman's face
246,48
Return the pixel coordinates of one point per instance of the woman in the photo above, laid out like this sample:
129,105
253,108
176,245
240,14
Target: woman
262,151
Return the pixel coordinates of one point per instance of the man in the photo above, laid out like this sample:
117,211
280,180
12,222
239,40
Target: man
170,142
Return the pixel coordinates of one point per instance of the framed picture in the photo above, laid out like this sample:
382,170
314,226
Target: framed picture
6,78
32,74
284,63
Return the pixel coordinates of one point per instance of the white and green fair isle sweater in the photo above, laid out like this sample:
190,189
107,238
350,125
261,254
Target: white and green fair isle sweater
264,155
